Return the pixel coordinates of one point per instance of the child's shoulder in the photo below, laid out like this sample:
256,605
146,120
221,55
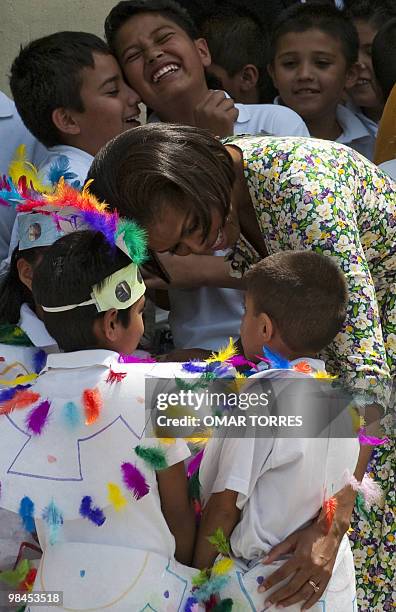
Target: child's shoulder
269,119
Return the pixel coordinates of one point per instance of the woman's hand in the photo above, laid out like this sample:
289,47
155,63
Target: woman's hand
314,553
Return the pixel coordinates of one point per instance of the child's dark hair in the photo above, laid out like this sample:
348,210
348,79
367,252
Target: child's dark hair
13,292
68,271
140,170
319,16
126,9
374,12
46,75
304,293
384,57
235,40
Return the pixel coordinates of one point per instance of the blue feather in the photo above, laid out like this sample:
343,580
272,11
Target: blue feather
212,586
71,415
96,515
39,360
276,362
54,519
7,394
9,194
26,510
60,167
191,366
191,601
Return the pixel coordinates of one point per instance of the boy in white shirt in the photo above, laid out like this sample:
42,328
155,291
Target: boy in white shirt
259,490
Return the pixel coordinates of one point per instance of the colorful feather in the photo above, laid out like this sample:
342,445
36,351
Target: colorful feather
14,577
275,361
133,359
191,605
223,566
21,399
220,542
194,464
154,457
37,418
193,367
93,403
224,354
54,519
225,605
26,512
101,222
361,506
329,508
13,335
238,361
71,415
364,439
214,585
115,497
95,515
115,377
59,168
20,167
20,380
194,487
200,578
9,193
134,238
134,480
8,394
371,491
39,360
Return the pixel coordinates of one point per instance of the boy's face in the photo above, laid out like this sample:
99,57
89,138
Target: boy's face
159,59
111,107
364,92
130,336
251,330
310,72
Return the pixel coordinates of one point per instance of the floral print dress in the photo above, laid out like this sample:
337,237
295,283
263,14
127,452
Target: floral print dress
320,195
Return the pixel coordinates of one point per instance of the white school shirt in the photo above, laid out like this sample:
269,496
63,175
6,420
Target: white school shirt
355,133
281,482
207,317
12,134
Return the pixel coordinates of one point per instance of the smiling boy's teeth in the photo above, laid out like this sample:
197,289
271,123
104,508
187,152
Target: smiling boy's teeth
164,70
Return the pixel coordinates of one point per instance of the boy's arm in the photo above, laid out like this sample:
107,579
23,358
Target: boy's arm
177,509
220,512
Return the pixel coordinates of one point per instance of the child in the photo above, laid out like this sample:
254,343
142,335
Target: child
70,93
314,50
239,48
368,18
259,490
108,520
164,60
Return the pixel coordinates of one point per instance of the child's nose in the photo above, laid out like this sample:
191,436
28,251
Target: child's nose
152,54
305,70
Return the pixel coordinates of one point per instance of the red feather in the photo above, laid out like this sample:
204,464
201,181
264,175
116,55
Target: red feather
115,377
21,399
329,508
93,403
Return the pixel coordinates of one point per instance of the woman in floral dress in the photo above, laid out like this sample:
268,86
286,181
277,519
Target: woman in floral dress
285,194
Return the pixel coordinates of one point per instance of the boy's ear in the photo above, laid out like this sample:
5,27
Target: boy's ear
25,272
203,51
110,325
65,121
352,76
248,77
266,328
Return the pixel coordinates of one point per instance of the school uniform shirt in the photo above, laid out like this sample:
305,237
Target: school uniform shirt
85,447
12,134
207,317
281,482
355,133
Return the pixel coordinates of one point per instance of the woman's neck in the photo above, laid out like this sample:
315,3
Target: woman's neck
325,127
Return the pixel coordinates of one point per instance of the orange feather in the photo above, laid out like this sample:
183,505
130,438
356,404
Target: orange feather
93,403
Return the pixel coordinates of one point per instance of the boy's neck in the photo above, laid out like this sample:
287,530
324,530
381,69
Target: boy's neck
325,127
182,109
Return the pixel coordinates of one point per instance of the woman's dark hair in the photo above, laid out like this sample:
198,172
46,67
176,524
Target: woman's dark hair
142,169
374,12
13,292
384,57
68,271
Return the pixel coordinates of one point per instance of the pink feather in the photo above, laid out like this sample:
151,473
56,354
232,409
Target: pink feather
371,491
370,440
133,359
134,480
37,418
240,360
194,464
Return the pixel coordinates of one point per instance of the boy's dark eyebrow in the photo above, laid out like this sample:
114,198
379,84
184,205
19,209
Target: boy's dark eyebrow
317,52
135,45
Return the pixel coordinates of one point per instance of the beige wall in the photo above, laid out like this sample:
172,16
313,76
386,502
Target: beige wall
25,20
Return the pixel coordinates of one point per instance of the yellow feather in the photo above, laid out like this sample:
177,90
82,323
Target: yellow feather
224,353
115,497
222,567
167,440
21,167
199,439
320,374
21,380
355,416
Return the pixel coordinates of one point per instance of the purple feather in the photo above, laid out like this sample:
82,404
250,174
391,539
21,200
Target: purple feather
107,224
39,360
240,360
194,464
7,394
364,439
192,367
134,480
191,605
37,418
96,515
133,359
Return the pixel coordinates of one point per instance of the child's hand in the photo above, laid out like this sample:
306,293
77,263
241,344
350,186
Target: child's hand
217,114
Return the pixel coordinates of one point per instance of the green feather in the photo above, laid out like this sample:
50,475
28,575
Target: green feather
200,578
135,240
224,606
13,335
155,457
14,577
220,542
361,506
194,486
